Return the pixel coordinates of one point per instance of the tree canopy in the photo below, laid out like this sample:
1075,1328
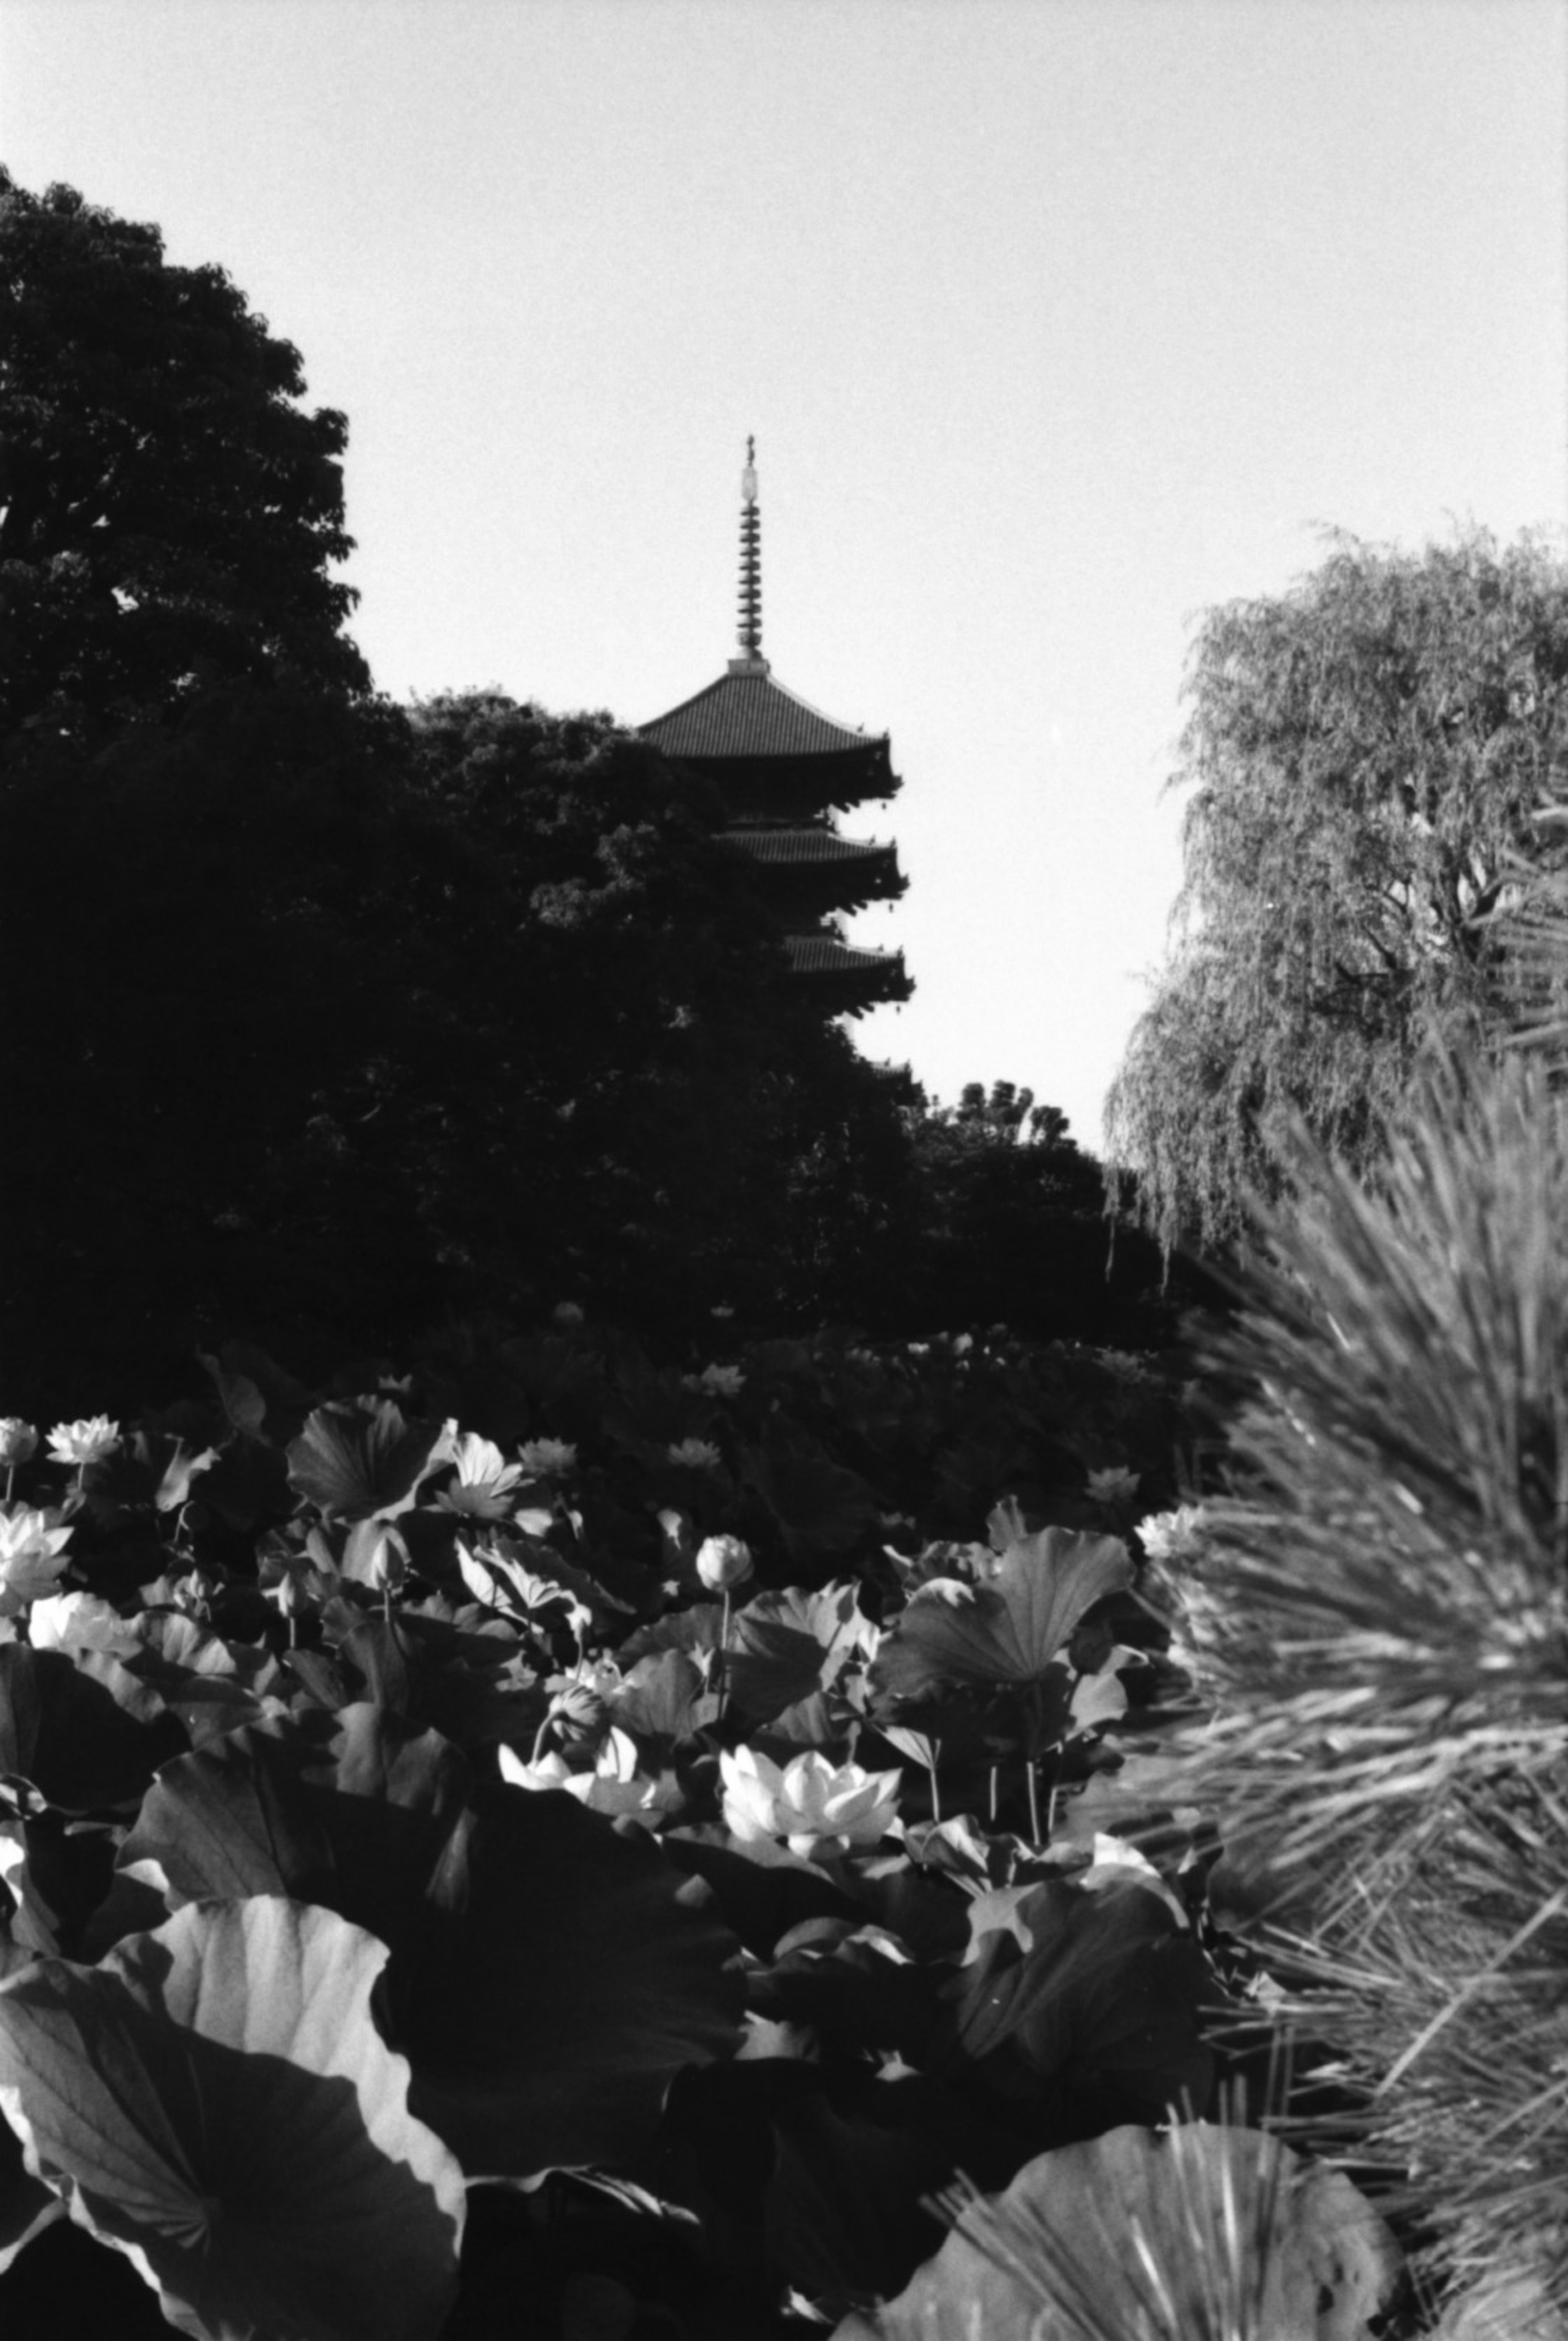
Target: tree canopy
169,514
361,1016
1368,754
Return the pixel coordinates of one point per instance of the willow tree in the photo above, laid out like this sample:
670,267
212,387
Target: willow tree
1368,755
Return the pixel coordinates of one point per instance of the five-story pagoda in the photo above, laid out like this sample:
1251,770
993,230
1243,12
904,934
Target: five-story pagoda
785,772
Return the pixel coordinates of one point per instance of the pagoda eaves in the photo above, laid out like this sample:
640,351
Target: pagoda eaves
782,767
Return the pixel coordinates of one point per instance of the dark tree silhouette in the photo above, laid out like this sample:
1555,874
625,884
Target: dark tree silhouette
169,512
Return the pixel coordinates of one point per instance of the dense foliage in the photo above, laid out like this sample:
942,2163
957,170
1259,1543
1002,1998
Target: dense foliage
169,512
364,1019
1380,1613
1367,755
1008,1220
394,1820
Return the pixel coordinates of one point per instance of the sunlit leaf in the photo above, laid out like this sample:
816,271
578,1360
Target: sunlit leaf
1234,2234
357,1459
1015,1627
215,2100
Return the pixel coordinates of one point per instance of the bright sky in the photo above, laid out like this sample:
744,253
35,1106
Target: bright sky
1057,322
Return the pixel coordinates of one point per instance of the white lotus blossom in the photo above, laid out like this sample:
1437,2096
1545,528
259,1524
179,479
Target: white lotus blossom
695,1454
67,1622
818,1809
1175,1536
1114,1485
613,1786
547,1459
87,1442
31,1557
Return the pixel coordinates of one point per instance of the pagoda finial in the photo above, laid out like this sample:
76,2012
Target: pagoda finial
751,630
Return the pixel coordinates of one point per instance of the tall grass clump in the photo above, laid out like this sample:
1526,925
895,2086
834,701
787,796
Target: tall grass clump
1382,1613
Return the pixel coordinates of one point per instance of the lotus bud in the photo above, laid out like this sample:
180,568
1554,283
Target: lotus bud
18,1441
388,1568
579,1716
290,1595
723,1562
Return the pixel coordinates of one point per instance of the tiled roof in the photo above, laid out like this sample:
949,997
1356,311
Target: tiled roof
798,846
822,955
747,714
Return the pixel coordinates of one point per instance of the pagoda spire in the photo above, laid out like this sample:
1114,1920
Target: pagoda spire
751,629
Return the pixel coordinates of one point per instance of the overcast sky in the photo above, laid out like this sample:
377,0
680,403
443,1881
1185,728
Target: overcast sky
1056,320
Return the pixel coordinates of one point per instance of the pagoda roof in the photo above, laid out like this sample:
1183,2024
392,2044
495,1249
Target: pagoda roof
855,978
746,714
796,847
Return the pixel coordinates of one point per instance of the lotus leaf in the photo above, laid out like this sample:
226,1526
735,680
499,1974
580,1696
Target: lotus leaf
1206,2230
215,2101
356,1461
1014,1627
566,1973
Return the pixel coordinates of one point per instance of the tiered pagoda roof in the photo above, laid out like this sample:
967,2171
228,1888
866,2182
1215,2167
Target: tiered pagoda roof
784,769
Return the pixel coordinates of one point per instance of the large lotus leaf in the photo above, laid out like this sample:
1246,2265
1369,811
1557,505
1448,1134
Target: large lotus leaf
358,1458
572,1975
663,1700
474,1687
1011,1629
855,2164
351,1810
84,1730
1102,1993
760,1901
26,2204
215,2100
785,1646
1206,2230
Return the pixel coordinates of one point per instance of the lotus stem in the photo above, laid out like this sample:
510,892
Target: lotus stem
720,1669
1033,1783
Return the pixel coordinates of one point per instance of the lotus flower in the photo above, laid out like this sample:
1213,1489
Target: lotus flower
613,1786
696,1454
32,1557
84,1442
718,1381
818,1809
1173,1536
723,1562
1114,1485
547,1459
18,1441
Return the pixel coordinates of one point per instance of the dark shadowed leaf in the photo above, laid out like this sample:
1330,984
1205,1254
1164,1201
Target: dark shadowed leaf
786,1646
819,1506
570,1977
85,1732
215,2100
1102,1993
350,1810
